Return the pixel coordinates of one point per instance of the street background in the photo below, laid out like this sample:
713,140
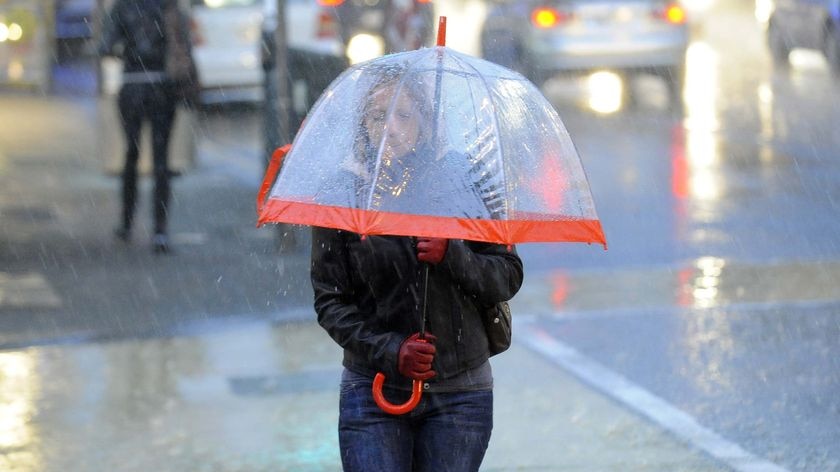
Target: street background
705,337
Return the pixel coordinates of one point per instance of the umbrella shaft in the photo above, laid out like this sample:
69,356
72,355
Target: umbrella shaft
425,300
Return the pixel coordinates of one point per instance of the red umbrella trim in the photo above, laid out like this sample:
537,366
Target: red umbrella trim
523,229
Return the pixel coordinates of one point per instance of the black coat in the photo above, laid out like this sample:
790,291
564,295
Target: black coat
368,296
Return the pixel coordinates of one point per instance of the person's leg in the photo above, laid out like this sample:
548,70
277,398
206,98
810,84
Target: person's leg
452,432
371,440
130,106
162,117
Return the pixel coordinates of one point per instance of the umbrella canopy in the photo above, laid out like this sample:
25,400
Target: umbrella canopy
435,143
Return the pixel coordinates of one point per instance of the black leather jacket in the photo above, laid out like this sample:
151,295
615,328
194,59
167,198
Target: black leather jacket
368,296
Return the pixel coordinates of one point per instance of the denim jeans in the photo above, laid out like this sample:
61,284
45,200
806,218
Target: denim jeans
446,432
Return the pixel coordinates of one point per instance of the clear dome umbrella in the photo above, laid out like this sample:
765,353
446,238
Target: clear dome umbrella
433,143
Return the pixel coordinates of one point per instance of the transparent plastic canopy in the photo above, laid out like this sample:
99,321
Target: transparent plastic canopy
435,143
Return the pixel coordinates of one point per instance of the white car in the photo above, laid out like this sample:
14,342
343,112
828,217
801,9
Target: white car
229,46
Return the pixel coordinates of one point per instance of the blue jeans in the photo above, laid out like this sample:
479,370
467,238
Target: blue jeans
447,432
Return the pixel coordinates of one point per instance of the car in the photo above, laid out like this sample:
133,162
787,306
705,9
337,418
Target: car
541,38
229,42
806,24
232,36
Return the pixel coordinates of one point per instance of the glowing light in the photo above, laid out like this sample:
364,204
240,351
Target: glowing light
15,70
675,14
15,32
4,32
701,87
545,17
16,400
363,47
605,91
763,9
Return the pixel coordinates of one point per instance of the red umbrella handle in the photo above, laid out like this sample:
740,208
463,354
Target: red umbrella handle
388,407
270,174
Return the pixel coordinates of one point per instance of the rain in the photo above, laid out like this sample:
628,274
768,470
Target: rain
679,308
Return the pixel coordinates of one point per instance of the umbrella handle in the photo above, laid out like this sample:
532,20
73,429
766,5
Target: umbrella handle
270,174
388,407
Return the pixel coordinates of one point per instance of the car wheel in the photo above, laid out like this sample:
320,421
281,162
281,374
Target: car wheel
674,78
832,49
779,47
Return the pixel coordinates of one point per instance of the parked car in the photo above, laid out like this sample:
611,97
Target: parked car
233,35
229,42
807,24
540,38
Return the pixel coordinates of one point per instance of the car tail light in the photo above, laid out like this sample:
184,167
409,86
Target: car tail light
672,13
330,3
546,17
327,25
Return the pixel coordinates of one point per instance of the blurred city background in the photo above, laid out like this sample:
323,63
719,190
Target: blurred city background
707,336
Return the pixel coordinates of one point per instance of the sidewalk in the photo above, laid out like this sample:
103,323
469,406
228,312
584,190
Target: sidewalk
260,398
112,359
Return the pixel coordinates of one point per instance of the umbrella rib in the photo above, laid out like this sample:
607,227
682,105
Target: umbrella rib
495,125
381,144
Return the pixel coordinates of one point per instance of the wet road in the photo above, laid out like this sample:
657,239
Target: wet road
720,291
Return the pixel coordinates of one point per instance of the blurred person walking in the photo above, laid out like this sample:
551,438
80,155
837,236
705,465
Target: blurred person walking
152,38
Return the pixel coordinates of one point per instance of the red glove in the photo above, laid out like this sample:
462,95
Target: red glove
415,357
431,250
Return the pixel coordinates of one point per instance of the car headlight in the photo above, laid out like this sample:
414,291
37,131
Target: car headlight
15,32
363,47
11,32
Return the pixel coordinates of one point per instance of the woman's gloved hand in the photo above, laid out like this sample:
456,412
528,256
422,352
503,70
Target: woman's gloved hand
431,250
416,356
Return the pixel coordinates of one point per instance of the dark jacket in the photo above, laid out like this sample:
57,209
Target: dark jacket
368,296
136,26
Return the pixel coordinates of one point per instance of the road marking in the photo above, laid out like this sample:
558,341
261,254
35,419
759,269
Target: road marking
643,402
27,290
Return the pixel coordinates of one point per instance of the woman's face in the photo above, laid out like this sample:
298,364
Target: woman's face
402,128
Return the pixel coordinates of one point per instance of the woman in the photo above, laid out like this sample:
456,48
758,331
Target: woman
134,30
393,167
369,295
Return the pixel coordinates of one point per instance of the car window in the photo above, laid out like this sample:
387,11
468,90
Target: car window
225,3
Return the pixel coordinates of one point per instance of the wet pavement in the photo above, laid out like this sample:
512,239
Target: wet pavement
114,359
704,339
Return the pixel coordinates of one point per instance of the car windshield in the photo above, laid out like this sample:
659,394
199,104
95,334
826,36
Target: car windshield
224,3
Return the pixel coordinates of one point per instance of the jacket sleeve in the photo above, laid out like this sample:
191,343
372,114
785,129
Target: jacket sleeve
490,272
336,304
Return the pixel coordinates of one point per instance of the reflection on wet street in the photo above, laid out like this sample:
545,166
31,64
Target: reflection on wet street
707,282
246,400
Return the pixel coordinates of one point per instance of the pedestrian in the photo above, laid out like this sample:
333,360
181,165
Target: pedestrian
369,298
142,33
388,169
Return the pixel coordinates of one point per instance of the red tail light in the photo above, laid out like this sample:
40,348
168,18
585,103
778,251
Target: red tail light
330,3
672,13
546,17
327,26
